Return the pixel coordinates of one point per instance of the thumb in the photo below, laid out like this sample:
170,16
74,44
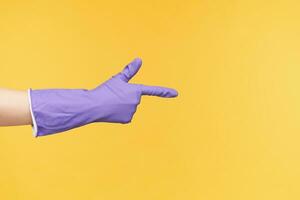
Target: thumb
158,91
130,70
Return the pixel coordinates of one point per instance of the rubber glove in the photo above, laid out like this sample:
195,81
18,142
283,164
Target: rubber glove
116,100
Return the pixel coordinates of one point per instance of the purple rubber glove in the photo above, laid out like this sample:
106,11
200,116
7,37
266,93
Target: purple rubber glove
116,100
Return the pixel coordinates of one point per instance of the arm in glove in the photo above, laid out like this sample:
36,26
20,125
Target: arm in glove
116,100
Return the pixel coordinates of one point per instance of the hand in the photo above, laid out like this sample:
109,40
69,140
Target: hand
121,98
116,100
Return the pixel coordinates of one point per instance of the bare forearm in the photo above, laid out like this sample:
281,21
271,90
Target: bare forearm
14,108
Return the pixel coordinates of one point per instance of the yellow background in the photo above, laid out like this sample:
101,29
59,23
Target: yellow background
232,134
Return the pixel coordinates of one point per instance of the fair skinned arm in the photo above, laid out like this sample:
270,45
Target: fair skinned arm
14,108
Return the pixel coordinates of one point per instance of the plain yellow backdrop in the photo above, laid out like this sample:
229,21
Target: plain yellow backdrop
232,134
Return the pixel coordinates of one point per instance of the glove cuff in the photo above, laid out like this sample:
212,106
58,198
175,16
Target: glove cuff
59,110
34,125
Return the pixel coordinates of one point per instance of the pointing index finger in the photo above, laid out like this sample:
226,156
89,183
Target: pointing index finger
158,91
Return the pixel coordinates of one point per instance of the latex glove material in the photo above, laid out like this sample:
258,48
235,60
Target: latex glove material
116,100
